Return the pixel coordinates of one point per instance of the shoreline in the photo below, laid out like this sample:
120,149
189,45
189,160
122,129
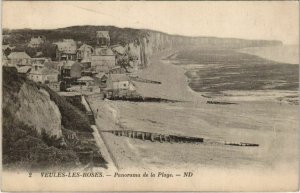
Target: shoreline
174,81
263,95
248,121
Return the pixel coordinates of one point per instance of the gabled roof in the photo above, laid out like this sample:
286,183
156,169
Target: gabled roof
36,40
101,75
51,64
44,71
85,78
70,63
24,69
84,46
67,46
102,34
18,55
119,77
4,47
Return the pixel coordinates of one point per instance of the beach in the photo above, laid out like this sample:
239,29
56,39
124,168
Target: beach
269,123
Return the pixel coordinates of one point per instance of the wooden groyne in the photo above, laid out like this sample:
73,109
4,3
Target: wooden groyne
156,137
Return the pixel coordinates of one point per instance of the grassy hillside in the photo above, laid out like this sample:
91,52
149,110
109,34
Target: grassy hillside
87,34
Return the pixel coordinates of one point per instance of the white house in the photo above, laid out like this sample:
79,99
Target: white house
119,82
44,75
19,58
103,59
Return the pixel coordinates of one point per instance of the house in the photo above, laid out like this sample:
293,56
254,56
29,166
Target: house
44,75
66,50
71,69
19,58
54,65
37,66
102,77
39,61
84,54
24,70
5,61
103,59
36,41
103,38
7,49
119,82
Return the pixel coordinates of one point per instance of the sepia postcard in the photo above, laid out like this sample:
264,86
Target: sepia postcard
150,96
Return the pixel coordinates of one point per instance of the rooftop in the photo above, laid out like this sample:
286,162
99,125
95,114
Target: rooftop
18,55
70,63
67,46
44,71
84,46
85,78
24,69
119,77
102,34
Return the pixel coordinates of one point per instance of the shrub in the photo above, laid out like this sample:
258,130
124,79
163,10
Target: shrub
72,118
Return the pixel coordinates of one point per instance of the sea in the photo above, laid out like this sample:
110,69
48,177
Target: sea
217,70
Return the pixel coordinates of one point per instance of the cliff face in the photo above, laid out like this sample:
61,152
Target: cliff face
25,102
36,109
154,42
29,109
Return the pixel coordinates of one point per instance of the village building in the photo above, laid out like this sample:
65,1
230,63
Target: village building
5,61
102,79
37,66
84,54
36,41
66,50
39,60
7,49
103,59
119,82
44,75
54,65
19,59
39,54
71,69
24,70
5,38
103,38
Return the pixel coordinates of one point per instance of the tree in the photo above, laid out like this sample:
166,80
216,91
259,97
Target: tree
49,50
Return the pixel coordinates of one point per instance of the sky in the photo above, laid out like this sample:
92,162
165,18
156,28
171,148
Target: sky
276,20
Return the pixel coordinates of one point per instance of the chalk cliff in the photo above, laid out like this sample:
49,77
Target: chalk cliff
36,109
153,42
